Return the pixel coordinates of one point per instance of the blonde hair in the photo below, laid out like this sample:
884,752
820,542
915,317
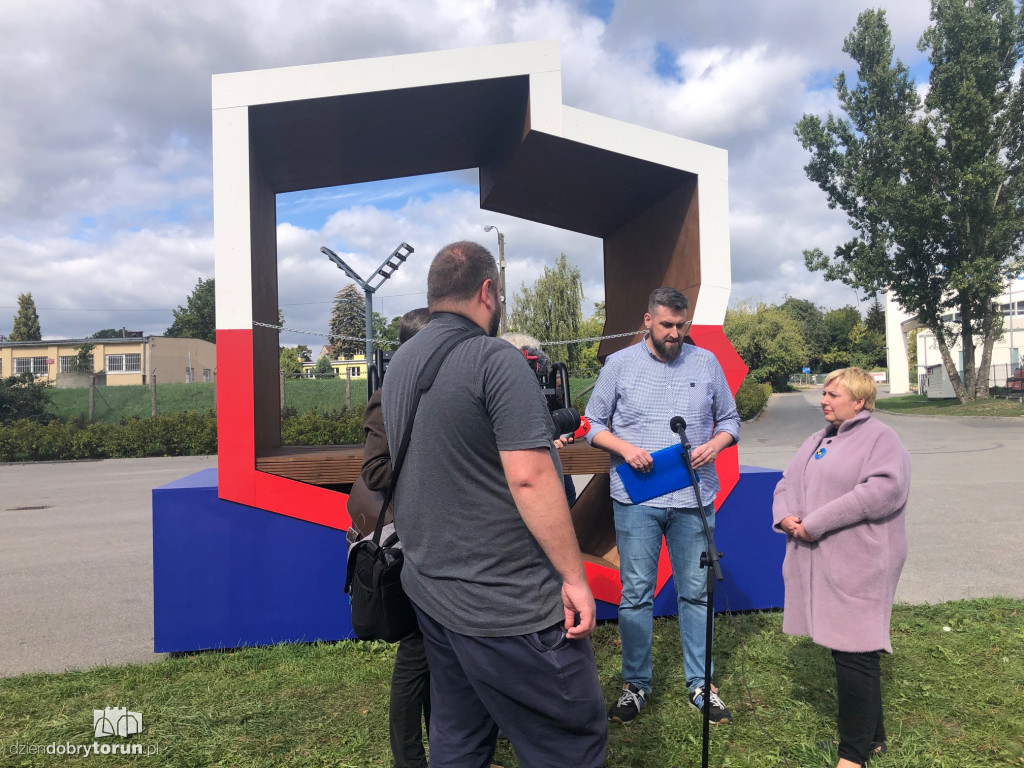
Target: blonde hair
858,383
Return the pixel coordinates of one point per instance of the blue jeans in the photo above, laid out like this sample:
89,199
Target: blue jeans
638,532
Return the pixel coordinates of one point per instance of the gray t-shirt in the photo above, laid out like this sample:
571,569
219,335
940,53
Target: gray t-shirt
471,563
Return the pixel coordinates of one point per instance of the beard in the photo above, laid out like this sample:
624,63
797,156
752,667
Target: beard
495,321
668,351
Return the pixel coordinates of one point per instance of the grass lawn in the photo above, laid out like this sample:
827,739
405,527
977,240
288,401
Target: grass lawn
921,405
954,696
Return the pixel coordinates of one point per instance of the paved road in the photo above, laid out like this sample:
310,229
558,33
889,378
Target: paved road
965,519
76,538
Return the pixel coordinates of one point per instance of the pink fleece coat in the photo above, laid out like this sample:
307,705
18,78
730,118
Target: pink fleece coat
851,492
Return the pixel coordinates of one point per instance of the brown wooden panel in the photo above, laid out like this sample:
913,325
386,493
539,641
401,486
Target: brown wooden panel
336,464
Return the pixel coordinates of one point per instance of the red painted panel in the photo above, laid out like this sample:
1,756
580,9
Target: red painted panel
236,451
711,337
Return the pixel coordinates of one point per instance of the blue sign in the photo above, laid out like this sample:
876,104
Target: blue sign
807,370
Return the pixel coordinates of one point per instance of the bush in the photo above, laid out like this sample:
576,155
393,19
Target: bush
23,397
187,433
751,398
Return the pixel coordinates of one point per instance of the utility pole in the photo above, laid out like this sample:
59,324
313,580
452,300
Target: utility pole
501,275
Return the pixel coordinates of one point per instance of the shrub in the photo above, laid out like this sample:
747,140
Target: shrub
751,398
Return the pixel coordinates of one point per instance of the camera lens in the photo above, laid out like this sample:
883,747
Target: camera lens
566,421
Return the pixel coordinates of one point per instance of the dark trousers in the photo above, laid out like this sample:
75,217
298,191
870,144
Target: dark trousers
540,689
859,682
410,703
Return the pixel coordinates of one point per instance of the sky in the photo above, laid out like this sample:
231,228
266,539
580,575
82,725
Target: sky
106,212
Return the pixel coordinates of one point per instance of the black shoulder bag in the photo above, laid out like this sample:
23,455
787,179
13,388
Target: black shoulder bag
380,608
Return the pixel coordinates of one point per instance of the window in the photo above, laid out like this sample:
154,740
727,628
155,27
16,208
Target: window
189,375
353,372
127,363
37,366
207,374
69,364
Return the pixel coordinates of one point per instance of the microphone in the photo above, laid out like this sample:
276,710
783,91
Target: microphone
678,425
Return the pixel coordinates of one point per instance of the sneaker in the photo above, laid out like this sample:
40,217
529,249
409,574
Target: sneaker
719,712
631,701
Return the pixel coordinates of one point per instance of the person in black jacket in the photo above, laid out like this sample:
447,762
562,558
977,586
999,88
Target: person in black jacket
410,681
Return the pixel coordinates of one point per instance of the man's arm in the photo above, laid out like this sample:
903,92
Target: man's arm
726,418
376,469
540,497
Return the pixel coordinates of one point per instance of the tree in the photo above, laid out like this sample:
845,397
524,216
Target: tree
935,195
83,362
592,327
769,341
815,333
197,319
22,397
26,322
386,330
108,333
324,369
305,353
348,319
291,363
552,311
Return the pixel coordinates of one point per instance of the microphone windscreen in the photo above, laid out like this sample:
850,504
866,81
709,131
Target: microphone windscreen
677,424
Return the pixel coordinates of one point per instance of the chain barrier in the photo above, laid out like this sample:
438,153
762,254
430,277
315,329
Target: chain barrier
388,342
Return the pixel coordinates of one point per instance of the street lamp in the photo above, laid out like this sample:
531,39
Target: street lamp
384,271
501,274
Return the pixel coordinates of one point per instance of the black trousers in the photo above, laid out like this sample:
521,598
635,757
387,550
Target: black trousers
540,689
410,703
861,726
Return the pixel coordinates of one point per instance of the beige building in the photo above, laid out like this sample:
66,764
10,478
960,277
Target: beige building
130,360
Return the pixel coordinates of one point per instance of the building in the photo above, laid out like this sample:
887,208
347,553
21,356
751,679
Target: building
351,366
129,360
931,373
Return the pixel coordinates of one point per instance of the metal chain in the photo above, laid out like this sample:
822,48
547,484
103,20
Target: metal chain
388,342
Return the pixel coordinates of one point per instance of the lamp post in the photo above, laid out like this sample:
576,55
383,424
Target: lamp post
384,271
501,274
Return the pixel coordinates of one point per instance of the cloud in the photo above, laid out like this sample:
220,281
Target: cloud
105,171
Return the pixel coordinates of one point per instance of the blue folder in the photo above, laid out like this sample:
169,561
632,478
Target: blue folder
668,474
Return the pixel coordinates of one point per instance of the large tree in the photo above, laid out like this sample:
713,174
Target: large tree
933,191
551,310
198,318
348,319
769,341
26,322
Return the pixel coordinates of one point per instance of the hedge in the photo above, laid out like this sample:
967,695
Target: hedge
187,433
751,398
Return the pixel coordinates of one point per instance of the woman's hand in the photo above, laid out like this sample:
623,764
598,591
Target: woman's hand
794,526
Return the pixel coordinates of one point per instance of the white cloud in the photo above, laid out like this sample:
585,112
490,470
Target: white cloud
105,178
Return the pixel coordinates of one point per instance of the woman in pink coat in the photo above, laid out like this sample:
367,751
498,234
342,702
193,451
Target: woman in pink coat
841,503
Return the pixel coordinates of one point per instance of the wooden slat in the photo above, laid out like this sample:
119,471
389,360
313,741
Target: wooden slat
336,464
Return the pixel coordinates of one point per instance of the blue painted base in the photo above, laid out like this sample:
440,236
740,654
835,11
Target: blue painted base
226,575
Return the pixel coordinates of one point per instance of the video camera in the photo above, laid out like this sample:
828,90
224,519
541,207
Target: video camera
554,385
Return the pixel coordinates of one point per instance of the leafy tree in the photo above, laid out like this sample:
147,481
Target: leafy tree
304,352
26,322
769,341
875,319
348,318
291,363
108,333
83,362
812,328
197,319
552,311
386,330
324,369
591,327
22,397
933,192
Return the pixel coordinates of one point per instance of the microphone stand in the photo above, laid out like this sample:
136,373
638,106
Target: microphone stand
709,560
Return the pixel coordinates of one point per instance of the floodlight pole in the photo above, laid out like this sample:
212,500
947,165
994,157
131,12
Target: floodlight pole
501,275
384,271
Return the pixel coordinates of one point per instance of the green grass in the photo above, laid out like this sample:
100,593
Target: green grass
953,698
115,403
922,405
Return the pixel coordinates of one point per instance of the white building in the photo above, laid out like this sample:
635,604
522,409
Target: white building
931,373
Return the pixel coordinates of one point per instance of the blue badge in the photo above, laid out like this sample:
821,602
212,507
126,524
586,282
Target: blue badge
820,452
